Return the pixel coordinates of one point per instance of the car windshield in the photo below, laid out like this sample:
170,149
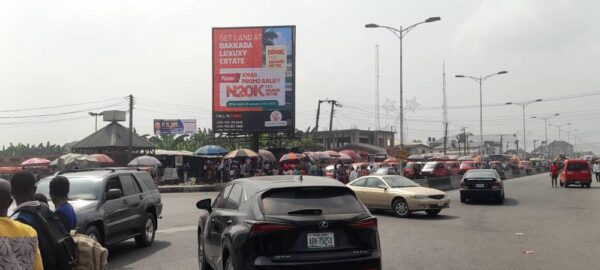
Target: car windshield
382,171
399,181
80,188
430,165
480,174
410,165
466,165
328,200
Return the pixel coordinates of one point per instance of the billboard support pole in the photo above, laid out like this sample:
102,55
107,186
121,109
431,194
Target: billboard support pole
130,152
255,141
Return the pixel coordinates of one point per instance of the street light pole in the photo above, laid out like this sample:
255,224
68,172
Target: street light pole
524,104
400,33
95,115
545,118
480,81
560,126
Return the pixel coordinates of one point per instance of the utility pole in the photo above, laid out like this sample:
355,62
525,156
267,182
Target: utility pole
95,115
444,106
377,86
130,152
318,115
333,105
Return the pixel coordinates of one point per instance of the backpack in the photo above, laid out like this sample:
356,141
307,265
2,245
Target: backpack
57,247
92,255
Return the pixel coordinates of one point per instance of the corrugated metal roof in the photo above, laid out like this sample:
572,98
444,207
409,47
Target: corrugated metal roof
112,135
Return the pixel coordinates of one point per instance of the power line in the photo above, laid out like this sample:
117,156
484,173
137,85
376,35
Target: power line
58,106
62,113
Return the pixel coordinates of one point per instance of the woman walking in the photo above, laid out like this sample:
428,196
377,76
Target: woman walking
554,173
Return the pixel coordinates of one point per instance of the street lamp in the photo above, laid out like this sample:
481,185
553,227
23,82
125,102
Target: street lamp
480,81
95,115
569,136
545,118
559,126
524,104
400,33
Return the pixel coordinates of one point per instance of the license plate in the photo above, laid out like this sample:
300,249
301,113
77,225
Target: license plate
577,182
320,240
479,185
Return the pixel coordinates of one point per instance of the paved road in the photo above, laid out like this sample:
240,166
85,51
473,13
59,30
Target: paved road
560,227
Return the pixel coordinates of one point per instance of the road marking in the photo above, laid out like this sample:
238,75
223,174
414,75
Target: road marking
177,229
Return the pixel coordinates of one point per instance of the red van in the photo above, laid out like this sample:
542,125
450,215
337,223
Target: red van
576,172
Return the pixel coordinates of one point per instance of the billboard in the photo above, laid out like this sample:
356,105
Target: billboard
254,79
164,127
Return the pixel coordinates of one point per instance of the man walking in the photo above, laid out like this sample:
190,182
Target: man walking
596,169
554,173
18,242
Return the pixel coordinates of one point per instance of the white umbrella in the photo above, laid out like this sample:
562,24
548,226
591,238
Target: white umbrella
144,161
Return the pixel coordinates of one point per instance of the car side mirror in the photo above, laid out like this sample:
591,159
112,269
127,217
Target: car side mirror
382,187
114,194
204,205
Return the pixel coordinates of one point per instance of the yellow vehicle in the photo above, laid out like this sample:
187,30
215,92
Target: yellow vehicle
398,193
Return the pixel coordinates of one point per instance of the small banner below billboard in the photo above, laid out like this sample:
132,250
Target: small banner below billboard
163,127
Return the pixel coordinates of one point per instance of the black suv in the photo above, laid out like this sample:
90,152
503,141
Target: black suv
113,204
287,222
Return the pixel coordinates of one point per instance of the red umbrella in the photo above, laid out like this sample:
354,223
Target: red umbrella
267,155
102,158
391,160
332,153
35,162
291,157
311,155
352,154
345,158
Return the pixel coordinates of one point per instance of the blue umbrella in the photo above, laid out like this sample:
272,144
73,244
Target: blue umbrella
211,150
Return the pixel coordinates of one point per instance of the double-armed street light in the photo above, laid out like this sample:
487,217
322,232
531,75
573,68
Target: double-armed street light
523,105
545,118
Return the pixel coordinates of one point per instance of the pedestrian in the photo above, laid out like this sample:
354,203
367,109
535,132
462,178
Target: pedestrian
342,175
596,169
353,173
18,242
554,173
59,194
57,248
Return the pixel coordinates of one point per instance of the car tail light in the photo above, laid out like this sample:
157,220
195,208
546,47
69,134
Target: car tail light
260,228
370,223
497,184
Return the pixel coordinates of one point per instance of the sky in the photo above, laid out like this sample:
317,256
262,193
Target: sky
90,55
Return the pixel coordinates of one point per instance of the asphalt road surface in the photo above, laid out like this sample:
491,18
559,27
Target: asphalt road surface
538,227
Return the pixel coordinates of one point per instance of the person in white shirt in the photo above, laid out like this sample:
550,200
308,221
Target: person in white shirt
353,173
596,169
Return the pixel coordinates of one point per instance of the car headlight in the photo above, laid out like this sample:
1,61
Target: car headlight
420,197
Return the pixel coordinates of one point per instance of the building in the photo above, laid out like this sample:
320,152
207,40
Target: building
339,138
556,148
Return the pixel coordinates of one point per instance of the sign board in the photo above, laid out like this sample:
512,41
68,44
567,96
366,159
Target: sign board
114,116
163,127
402,154
254,79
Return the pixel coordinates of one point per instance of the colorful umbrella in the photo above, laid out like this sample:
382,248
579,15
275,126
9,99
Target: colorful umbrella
267,155
35,162
241,153
355,156
144,161
211,150
344,158
332,154
391,160
311,156
291,157
102,158
325,155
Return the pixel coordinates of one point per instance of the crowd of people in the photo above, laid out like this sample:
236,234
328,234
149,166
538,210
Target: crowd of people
29,236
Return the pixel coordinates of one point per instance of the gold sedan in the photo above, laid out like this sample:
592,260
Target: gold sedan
399,194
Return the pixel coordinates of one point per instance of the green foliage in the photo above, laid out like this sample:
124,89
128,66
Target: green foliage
306,144
23,150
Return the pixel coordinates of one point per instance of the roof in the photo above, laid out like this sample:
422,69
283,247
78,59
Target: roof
162,152
261,183
96,172
371,149
112,135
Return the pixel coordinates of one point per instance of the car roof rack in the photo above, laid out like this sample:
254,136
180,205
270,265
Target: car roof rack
112,169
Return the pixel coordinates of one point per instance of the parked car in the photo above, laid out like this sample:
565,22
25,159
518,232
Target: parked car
576,172
400,194
481,184
287,222
434,169
413,169
467,165
525,165
113,204
387,171
453,167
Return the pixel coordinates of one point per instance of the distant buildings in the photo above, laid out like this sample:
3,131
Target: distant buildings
339,138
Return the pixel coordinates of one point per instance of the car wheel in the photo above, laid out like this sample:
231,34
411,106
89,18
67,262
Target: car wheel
501,199
433,212
589,185
203,265
229,264
147,232
93,232
463,199
400,208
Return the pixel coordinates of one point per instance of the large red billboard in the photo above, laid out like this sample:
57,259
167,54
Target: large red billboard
253,79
